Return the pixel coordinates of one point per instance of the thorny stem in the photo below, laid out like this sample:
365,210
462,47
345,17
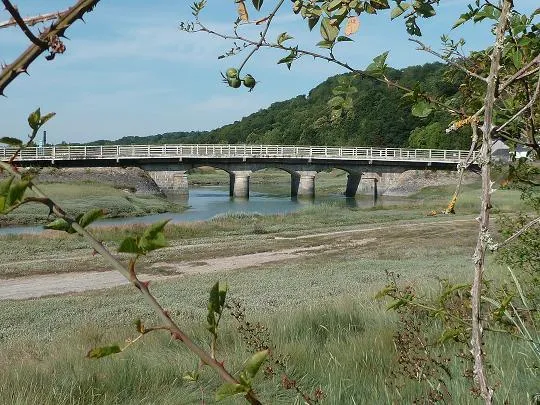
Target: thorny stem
477,340
176,332
22,25
21,64
30,21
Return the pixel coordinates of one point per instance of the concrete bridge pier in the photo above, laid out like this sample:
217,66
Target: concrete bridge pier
353,183
303,184
170,181
239,183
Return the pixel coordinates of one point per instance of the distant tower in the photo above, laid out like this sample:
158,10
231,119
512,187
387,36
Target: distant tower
44,140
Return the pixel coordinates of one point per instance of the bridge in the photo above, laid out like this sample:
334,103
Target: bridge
168,164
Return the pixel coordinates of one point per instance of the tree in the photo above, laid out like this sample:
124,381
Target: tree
500,88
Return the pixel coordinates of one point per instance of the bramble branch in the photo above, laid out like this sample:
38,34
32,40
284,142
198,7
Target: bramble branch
50,36
20,22
31,21
263,34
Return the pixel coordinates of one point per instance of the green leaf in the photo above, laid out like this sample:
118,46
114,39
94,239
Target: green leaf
130,245
229,390
139,325
289,59
328,31
426,10
59,224
99,352
5,185
11,141
378,66
254,363
463,18
517,59
216,303
153,237
312,22
450,334
399,9
385,291
283,37
342,38
397,304
46,118
90,217
34,119
192,376
421,109
257,4
379,4
334,5
16,192
213,301
325,44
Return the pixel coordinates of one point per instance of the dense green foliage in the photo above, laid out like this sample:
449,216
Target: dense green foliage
380,117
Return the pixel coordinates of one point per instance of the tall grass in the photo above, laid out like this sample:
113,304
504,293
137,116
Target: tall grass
320,313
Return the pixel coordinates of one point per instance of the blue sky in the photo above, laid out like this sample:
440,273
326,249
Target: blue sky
130,71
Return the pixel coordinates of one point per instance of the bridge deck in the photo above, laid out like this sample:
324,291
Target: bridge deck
153,152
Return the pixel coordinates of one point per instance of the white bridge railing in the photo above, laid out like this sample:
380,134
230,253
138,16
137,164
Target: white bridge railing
119,152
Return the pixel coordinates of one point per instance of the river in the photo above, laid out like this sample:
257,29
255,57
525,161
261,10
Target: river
209,201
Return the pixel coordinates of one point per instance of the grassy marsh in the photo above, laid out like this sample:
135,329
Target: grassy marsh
319,310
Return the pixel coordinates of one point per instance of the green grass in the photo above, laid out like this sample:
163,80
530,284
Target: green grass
320,315
319,310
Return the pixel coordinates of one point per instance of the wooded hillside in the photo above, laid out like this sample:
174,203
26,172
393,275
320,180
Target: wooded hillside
380,116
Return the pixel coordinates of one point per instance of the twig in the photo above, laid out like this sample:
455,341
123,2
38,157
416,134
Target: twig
31,21
22,25
425,48
529,105
21,64
524,229
330,58
263,34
